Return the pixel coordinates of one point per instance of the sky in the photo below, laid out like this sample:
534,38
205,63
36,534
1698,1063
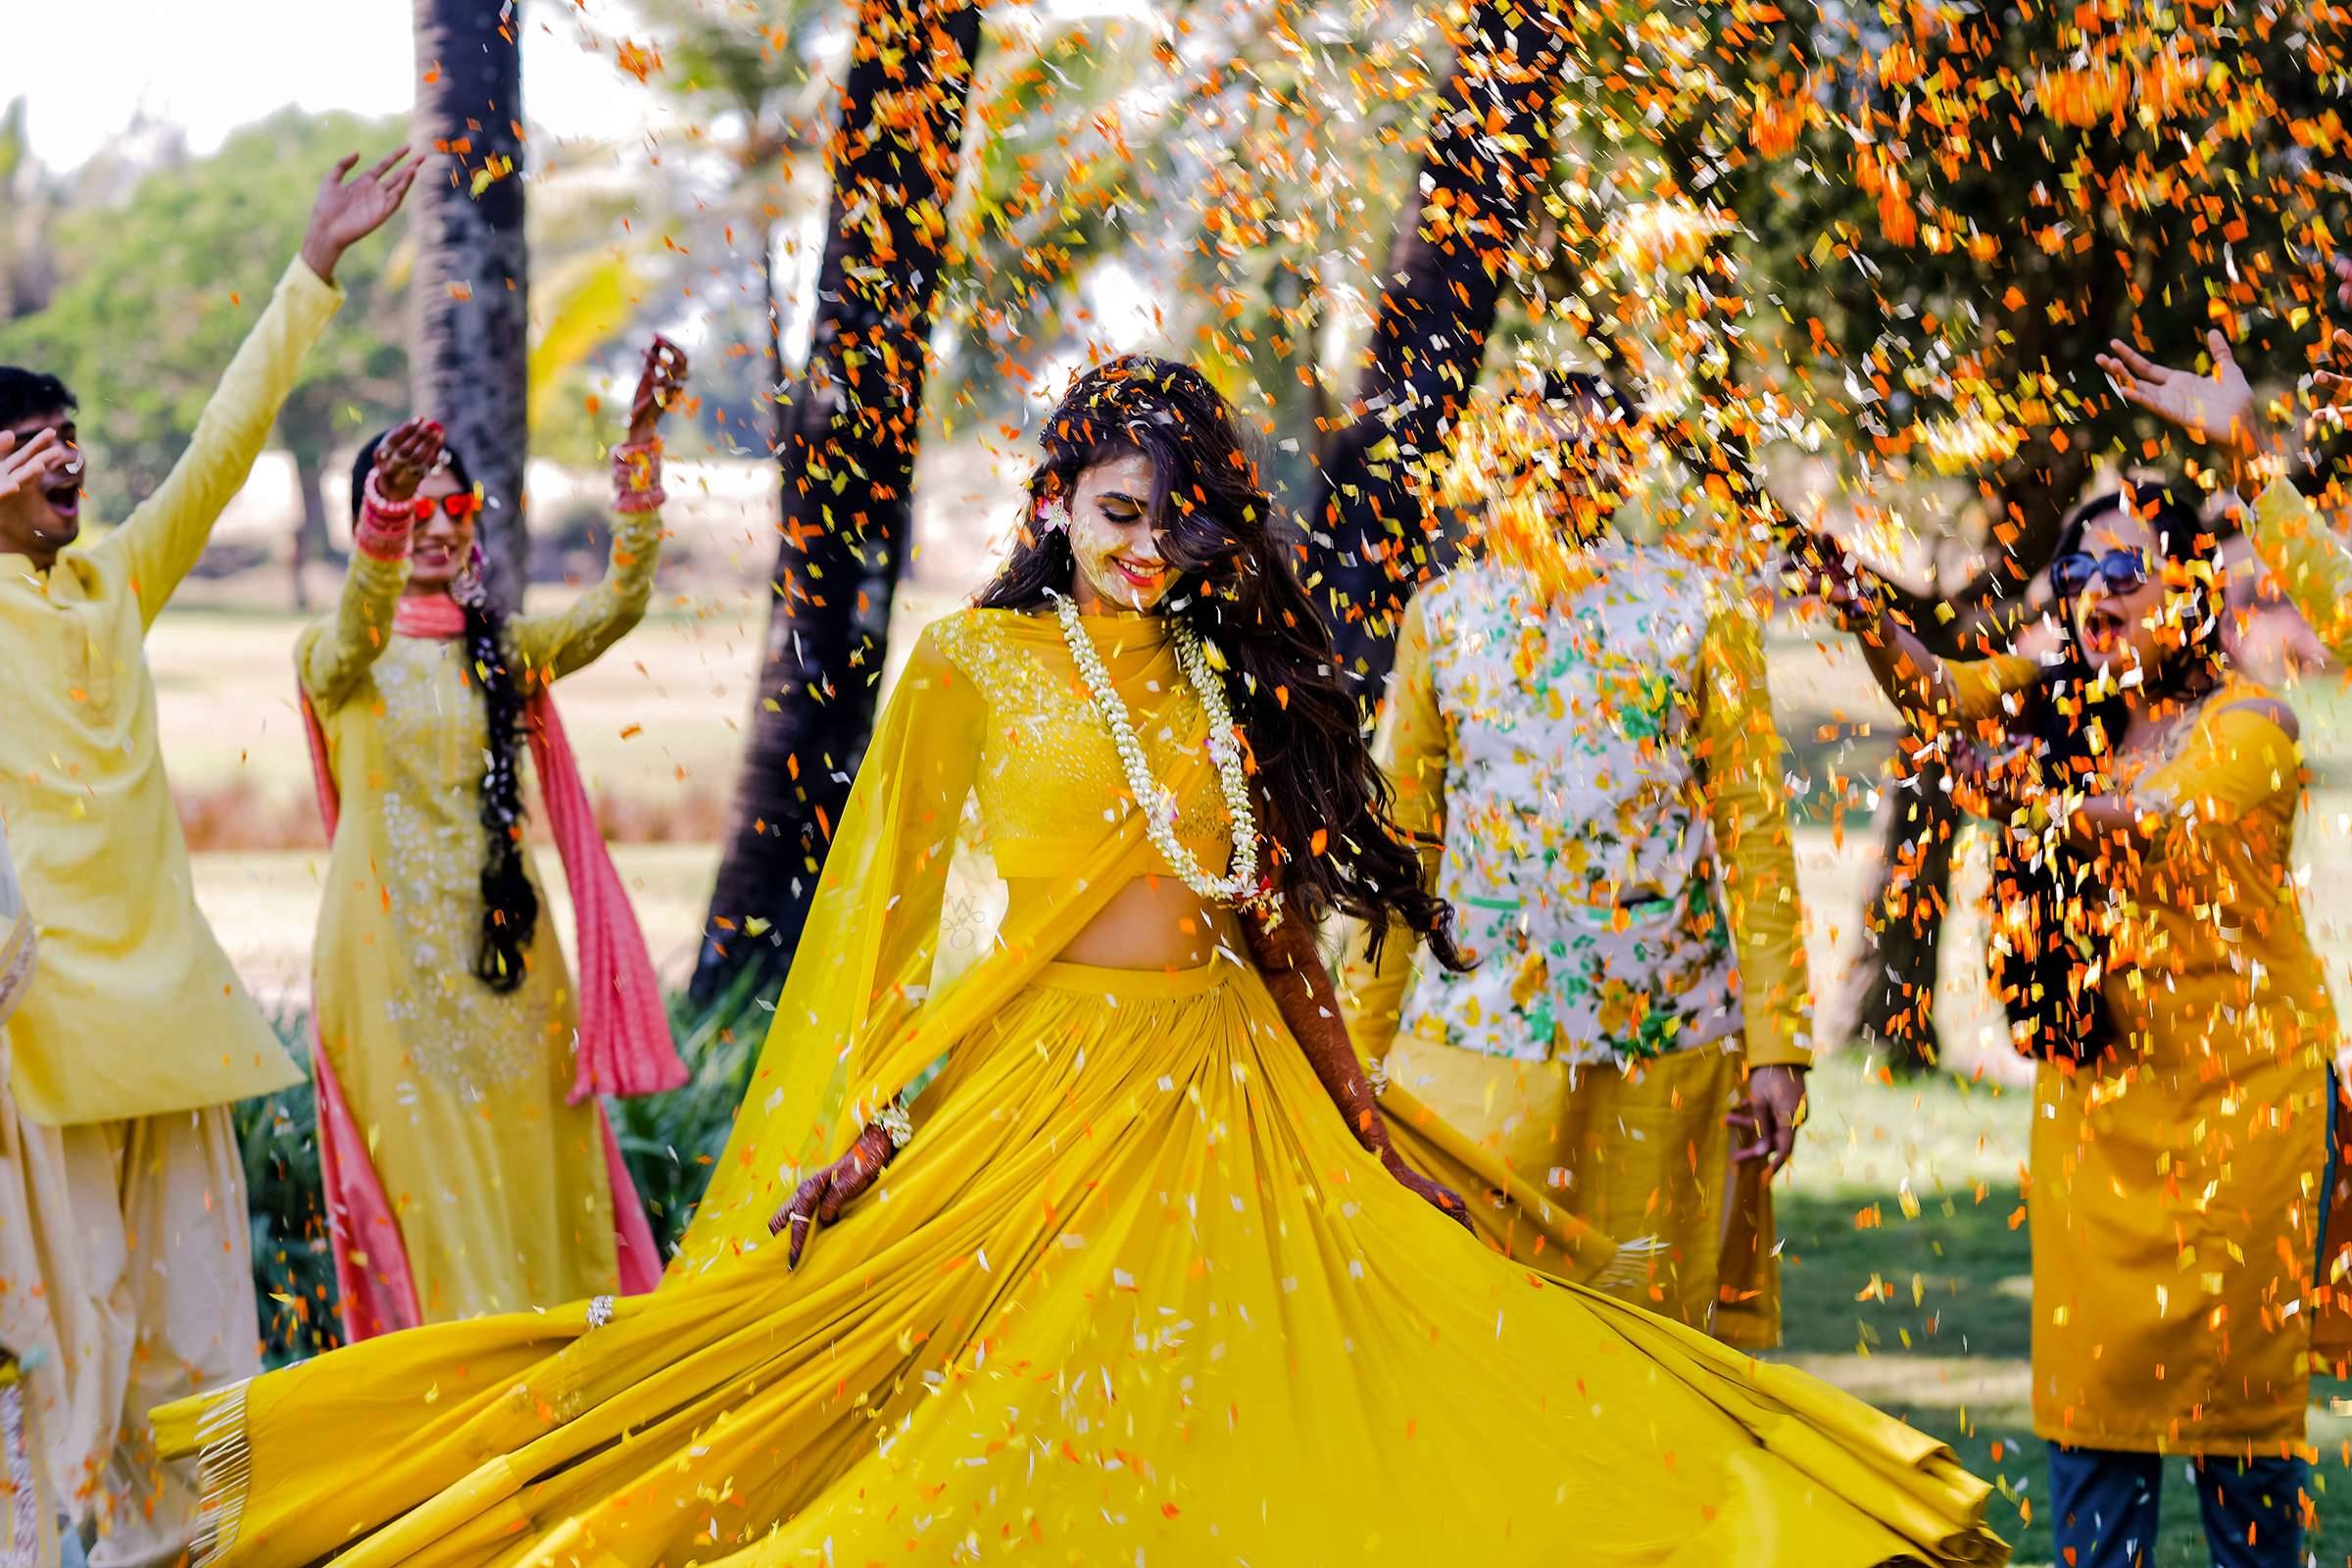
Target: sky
210,66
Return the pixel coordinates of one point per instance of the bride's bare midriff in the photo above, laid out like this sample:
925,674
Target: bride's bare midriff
1155,923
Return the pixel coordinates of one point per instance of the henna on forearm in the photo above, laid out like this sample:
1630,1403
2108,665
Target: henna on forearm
1293,970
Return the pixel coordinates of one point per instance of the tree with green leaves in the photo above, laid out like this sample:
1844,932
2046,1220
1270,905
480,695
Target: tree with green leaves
27,265
743,72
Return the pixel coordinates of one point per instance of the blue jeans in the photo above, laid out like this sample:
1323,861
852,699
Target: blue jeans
2103,1509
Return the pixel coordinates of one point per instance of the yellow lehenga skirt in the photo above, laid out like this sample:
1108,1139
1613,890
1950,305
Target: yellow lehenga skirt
1132,1295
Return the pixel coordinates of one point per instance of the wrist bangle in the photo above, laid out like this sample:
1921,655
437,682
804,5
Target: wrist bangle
637,476
895,1124
374,498
382,532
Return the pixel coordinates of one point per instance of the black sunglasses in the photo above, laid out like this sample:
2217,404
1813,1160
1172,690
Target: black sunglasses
2120,572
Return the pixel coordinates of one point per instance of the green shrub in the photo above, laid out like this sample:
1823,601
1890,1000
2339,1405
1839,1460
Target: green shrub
672,1141
293,1267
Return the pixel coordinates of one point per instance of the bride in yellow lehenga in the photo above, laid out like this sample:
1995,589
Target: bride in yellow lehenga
1120,1285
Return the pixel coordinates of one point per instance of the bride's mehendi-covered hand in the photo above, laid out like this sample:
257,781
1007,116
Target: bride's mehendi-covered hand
818,1200
1287,959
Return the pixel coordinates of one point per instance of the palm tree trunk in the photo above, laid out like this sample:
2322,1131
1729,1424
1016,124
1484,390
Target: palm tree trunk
470,369
855,417
1451,258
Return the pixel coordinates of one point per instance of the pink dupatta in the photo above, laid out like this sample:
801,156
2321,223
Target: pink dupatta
624,1041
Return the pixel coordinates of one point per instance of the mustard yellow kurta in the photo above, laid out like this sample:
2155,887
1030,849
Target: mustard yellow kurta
2313,563
1132,1293
2175,1183
1639,1150
136,1009
501,1189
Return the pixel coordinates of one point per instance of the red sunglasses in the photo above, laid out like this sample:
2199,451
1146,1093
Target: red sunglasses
460,505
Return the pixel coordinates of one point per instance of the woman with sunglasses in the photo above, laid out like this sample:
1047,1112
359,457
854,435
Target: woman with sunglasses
2154,957
469,1164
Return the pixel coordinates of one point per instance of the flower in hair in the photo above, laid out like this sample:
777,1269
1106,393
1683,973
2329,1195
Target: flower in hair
1053,517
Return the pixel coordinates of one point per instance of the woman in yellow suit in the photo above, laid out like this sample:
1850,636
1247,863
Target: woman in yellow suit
468,1163
1140,1277
2180,1138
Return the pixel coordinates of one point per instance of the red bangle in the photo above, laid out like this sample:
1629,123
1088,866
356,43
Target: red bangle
637,476
382,531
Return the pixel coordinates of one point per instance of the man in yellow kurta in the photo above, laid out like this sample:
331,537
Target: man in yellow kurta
134,1035
1579,722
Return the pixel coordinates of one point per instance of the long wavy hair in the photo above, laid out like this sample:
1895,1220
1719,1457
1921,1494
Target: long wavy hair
2072,718
1232,584
510,903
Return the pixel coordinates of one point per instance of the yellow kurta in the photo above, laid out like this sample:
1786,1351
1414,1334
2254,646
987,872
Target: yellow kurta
134,1034
1132,1293
501,1188
2175,1183
2313,563
136,1009
1640,1149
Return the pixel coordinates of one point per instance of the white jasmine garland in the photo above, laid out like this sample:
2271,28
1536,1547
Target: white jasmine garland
1241,885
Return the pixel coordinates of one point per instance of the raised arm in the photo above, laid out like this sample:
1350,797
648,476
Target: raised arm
1930,692
161,541
335,653
2220,408
555,646
1410,747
